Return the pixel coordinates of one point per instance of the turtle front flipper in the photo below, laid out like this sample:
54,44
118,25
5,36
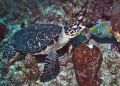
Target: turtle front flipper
51,67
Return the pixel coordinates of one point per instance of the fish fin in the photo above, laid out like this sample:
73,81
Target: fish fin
110,35
100,37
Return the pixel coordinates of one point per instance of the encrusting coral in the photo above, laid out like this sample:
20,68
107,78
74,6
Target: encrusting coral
87,59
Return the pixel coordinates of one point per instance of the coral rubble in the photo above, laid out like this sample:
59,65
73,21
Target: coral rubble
87,61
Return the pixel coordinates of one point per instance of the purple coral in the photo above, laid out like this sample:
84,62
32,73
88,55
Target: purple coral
95,11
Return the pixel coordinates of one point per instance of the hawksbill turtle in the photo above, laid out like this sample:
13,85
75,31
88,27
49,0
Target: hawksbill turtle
45,39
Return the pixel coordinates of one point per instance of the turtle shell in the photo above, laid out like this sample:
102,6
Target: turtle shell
35,38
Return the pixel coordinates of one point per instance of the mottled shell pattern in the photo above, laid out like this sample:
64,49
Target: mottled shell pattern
35,38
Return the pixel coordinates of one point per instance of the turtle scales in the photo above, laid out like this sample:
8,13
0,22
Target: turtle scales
45,39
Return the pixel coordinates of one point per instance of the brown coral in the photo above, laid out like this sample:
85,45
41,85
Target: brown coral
2,31
87,61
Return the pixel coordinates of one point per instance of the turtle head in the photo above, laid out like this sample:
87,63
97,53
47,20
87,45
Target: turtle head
73,29
9,52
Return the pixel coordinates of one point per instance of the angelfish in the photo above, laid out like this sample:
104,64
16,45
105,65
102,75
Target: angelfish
102,29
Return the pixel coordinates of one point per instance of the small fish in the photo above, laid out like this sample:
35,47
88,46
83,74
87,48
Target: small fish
102,29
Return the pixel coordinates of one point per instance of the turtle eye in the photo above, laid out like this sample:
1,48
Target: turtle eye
80,28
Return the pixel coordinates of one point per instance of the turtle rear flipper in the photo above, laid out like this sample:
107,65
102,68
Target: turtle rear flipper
51,67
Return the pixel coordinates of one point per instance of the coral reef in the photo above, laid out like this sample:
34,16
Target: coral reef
22,72
114,48
62,12
95,11
15,15
115,20
26,72
32,67
87,59
110,69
